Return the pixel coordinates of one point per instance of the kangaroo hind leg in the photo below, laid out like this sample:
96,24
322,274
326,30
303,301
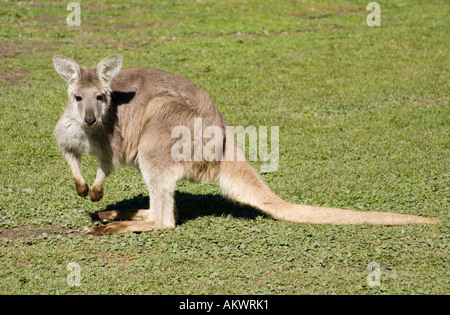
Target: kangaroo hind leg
161,187
161,215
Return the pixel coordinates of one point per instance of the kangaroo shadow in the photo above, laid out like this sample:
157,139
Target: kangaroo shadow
189,207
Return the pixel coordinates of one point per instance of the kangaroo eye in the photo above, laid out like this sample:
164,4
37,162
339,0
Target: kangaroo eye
78,98
100,97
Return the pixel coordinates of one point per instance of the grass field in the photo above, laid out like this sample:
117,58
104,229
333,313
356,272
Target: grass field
364,120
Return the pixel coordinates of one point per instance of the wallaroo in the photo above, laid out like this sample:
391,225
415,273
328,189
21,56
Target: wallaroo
127,117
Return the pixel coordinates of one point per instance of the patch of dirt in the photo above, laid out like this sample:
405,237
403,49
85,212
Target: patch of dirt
14,49
35,231
323,10
50,18
14,77
32,4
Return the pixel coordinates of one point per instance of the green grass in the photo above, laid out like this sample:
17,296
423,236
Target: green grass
364,124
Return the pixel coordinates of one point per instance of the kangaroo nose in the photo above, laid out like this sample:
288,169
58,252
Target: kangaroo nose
90,120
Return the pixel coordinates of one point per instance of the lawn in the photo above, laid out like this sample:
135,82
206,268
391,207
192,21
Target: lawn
364,122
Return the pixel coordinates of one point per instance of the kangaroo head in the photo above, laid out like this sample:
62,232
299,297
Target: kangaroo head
89,89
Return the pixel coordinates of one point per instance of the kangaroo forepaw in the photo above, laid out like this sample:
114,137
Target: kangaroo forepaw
96,194
82,189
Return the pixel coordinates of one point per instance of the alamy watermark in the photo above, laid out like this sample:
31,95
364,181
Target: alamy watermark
74,17
74,277
374,278
374,17
213,150
210,144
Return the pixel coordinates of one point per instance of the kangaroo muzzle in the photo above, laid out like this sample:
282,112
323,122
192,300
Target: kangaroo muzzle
89,119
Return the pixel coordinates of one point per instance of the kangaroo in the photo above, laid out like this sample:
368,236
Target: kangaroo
126,117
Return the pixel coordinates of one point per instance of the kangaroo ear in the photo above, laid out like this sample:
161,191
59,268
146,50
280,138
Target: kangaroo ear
109,67
68,69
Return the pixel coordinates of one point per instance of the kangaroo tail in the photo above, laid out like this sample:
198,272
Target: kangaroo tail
240,182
